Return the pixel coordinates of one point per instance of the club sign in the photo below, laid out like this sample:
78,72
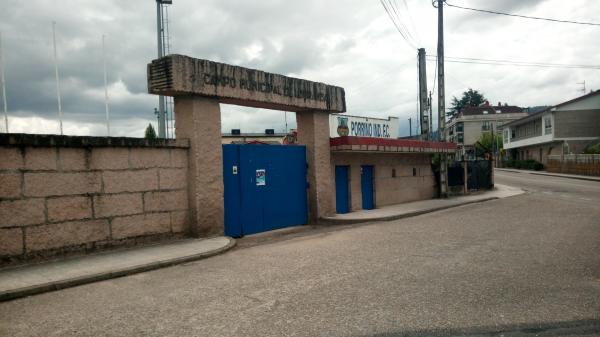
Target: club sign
355,126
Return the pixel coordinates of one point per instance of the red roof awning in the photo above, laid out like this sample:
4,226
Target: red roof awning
369,144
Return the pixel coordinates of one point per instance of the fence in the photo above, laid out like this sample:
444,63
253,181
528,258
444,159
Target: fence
479,175
584,164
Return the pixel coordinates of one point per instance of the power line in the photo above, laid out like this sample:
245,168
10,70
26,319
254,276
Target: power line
469,60
523,16
412,23
394,6
396,24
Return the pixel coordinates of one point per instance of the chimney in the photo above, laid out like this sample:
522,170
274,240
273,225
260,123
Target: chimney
487,103
499,103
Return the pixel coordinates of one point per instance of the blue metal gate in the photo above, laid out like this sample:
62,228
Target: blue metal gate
366,186
342,195
265,187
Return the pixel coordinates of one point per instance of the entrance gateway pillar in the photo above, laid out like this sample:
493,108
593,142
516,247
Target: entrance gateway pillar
199,86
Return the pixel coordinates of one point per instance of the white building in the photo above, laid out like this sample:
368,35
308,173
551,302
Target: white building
471,122
565,128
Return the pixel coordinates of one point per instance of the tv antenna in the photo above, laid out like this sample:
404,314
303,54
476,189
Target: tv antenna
583,86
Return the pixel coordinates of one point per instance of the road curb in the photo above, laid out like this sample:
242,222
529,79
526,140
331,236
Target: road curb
330,221
549,174
72,282
567,177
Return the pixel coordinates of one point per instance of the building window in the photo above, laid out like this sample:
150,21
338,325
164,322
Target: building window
459,127
547,125
505,137
486,126
460,138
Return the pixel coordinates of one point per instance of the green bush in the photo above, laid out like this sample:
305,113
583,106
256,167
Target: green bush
528,164
593,149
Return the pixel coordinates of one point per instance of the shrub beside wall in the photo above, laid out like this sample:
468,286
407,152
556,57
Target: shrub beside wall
528,164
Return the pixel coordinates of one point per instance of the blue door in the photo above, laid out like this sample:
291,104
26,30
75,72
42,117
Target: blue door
265,187
366,186
342,195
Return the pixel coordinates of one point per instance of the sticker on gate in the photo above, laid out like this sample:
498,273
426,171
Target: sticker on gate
261,177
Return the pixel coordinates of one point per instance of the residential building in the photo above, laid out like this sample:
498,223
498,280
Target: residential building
566,128
471,122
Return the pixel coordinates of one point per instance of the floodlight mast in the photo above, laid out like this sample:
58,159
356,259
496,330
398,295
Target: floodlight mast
161,99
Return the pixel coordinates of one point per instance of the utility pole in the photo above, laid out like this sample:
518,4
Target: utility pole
410,127
441,100
57,81
423,95
430,107
3,86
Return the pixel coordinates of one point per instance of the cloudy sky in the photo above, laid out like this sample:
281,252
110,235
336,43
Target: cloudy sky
349,43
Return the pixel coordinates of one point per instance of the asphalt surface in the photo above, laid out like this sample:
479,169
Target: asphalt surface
527,265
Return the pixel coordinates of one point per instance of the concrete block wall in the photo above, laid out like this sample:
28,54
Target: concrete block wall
394,181
65,197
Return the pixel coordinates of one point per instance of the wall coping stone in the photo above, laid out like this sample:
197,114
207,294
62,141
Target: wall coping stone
40,140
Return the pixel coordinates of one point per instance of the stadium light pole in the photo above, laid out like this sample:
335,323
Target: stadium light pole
159,43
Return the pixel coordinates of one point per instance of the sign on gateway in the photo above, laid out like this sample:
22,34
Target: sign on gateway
356,126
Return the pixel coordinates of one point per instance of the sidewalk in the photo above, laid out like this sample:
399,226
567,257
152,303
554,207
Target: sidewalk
544,173
399,211
38,278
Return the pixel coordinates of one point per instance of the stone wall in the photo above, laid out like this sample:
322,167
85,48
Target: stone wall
398,177
60,194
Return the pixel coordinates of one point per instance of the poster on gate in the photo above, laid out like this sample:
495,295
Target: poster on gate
261,177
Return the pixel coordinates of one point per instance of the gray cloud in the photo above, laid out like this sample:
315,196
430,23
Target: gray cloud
349,43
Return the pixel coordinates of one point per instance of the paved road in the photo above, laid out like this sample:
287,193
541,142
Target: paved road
527,265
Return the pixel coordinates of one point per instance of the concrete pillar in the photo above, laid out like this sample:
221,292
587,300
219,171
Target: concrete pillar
199,120
465,177
313,131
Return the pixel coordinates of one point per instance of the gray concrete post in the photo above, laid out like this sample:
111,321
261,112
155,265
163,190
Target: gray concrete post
199,119
465,177
313,132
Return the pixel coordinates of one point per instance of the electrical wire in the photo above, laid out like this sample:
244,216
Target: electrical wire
396,24
412,23
523,16
394,6
469,60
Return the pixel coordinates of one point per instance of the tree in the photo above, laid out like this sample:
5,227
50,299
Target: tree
486,144
150,133
469,98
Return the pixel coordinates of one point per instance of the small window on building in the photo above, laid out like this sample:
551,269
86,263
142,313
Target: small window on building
485,112
498,111
393,173
459,127
460,138
486,126
547,125
505,136
414,171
